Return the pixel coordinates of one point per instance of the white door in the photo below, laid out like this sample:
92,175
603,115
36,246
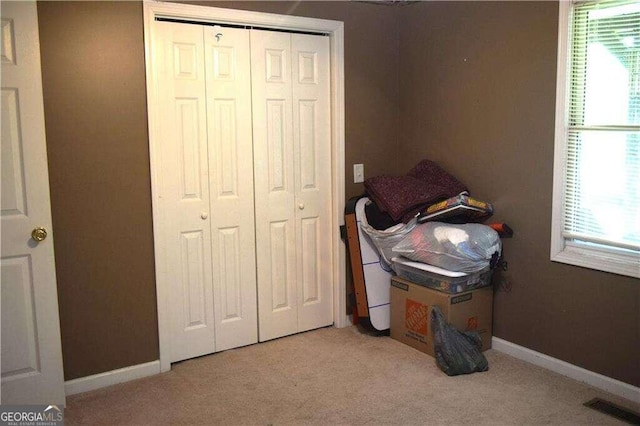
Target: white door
274,183
292,167
231,186
206,187
312,176
31,352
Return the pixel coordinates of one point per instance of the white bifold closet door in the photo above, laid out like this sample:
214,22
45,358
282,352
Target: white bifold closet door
244,184
207,188
292,163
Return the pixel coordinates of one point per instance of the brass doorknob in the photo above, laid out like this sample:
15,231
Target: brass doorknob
39,234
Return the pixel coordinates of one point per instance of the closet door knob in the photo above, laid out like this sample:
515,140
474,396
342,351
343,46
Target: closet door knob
301,206
204,215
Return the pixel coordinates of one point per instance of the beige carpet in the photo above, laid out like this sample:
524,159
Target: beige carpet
340,376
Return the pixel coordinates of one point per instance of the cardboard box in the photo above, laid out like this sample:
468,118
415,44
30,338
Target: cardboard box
411,306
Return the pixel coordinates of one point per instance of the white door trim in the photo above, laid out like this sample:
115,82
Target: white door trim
335,29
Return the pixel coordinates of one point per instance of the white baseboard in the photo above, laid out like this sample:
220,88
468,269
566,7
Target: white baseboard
596,380
97,381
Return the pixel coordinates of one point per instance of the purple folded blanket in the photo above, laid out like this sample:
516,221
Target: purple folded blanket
402,197
430,172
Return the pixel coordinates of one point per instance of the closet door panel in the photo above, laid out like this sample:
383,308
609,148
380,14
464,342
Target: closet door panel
228,90
312,171
274,183
184,189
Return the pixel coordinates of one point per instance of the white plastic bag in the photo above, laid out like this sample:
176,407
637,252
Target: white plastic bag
385,240
461,248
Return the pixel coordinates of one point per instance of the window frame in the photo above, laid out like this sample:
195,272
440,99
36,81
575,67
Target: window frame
601,257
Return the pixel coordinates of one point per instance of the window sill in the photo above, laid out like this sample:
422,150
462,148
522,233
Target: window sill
601,259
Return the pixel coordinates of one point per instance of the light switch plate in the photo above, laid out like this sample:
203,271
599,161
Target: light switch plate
358,173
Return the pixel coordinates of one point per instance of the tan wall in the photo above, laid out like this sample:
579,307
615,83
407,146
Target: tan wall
478,95
95,111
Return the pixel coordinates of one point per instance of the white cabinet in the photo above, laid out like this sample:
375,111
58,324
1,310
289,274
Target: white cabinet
243,184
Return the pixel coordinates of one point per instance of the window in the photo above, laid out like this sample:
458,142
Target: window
596,194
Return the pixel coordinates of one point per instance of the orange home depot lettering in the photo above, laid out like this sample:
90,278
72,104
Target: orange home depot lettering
416,316
472,323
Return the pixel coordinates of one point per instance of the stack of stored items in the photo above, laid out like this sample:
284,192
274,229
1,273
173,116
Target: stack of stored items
427,219
424,227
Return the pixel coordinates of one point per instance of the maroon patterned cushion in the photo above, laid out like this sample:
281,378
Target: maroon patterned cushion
430,172
397,195
402,197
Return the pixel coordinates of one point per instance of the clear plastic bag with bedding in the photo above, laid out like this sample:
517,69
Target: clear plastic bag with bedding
467,248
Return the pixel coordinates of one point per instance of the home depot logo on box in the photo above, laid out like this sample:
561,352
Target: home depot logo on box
416,316
472,323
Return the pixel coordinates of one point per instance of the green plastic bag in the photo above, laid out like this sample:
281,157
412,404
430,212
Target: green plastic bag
457,352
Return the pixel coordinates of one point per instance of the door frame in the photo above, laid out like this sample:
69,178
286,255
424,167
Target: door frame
335,31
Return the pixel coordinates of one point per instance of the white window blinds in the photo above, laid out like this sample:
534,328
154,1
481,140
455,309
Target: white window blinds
602,168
